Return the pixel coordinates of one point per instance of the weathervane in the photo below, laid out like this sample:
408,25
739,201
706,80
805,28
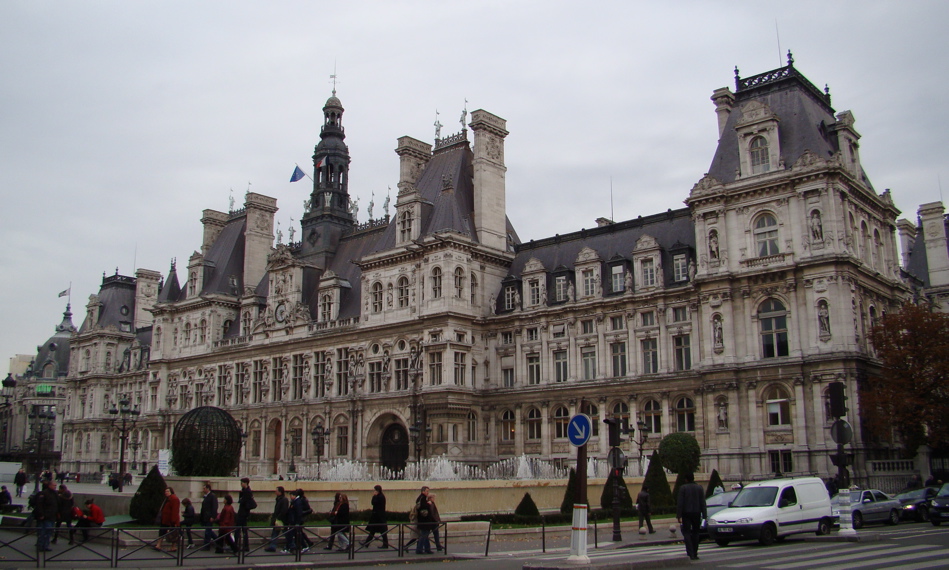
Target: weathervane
438,126
333,78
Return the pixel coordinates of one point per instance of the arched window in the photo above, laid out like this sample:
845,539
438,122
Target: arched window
474,289
472,426
436,282
405,226
507,425
760,160
533,423
459,282
593,412
203,331
326,308
158,339
779,408
652,415
766,235
402,292
685,414
621,412
865,243
186,340
561,419
772,318
377,297
192,284
878,262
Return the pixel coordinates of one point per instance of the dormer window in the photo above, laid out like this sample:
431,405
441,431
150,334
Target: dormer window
760,159
680,268
617,279
560,288
377,297
405,226
589,283
436,282
510,294
326,308
766,235
533,291
649,273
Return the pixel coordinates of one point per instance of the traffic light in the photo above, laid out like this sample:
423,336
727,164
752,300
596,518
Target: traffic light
614,424
838,407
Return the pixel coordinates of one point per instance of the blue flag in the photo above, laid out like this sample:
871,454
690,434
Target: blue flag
297,174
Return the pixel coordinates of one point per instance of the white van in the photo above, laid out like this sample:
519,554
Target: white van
771,510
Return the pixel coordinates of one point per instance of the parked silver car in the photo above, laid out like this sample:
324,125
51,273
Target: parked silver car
870,505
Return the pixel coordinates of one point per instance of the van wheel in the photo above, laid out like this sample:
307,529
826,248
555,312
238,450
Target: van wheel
722,542
768,535
857,520
894,518
823,527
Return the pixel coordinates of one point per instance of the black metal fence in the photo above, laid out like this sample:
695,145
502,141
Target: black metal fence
132,546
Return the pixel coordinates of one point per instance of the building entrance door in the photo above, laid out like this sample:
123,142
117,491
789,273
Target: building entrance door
395,448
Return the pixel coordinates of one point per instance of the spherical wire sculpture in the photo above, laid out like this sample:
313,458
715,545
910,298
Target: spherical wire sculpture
206,443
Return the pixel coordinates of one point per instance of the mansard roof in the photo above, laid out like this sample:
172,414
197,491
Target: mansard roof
117,296
918,265
351,248
672,229
170,289
56,349
225,258
806,120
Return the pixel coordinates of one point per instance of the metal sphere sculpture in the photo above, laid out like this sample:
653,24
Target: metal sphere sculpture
206,443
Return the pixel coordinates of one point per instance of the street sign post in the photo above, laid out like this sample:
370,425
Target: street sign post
579,430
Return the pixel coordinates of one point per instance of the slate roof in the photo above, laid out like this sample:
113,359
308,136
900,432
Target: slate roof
56,348
805,116
116,292
918,264
170,289
226,259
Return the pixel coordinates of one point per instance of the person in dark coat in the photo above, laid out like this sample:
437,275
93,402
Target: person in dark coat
188,518
339,522
45,511
65,505
279,518
245,504
20,481
377,520
5,497
690,510
294,520
305,510
426,523
208,515
643,508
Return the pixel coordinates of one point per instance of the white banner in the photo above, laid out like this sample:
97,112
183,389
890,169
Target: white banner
164,458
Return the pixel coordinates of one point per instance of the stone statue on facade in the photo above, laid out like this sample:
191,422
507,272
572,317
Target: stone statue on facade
823,318
817,229
713,245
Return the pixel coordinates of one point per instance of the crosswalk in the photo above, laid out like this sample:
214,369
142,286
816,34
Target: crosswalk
788,556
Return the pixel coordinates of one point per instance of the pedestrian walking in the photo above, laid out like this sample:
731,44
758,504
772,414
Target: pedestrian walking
226,526
245,504
20,481
208,515
278,518
305,510
425,523
294,520
643,508
93,517
188,519
437,519
339,522
169,516
65,504
45,511
377,520
690,510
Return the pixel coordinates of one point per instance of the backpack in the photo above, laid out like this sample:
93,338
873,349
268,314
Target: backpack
305,505
251,503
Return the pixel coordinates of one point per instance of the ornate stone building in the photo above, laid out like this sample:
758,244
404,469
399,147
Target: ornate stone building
726,319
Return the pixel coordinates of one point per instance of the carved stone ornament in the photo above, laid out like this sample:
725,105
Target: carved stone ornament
754,112
707,185
587,254
646,241
533,265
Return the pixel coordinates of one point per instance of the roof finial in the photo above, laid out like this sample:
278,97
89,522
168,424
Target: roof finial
790,59
464,115
438,126
333,77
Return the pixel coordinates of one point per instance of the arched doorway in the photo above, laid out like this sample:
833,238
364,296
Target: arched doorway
394,450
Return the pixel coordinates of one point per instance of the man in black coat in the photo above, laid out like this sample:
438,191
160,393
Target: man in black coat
245,504
279,518
690,510
20,481
208,515
45,509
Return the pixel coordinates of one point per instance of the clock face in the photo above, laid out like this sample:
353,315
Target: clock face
281,313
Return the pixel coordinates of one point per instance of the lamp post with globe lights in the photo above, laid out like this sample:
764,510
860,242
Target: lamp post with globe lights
123,419
320,436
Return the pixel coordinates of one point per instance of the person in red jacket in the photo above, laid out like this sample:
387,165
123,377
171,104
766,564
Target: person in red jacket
92,518
226,523
170,520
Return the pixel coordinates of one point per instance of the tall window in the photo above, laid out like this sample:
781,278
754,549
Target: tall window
320,364
560,365
617,279
241,377
533,369
436,282
296,377
766,235
683,352
560,288
342,371
649,272
507,425
772,318
402,292
760,161
533,423
375,377
533,291
472,426
459,282
593,412
276,380
618,358
377,297
474,289
510,296
779,407
460,368
405,226
326,311
401,373
507,377
588,356
621,412
650,356
680,268
435,368
561,419
652,414
685,415
589,283
260,371
342,440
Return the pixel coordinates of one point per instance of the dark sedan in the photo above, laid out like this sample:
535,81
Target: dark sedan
916,503
939,506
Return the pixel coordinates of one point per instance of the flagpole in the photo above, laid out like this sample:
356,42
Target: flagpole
304,172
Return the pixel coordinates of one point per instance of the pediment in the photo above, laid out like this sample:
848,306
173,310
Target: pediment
755,112
646,241
587,255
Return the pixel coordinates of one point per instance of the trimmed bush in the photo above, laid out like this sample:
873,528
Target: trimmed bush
570,494
527,507
680,453
660,495
606,497
714,481
146,503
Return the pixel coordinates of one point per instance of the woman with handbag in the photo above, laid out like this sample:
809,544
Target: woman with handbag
377,520
339,522
169,519
426,523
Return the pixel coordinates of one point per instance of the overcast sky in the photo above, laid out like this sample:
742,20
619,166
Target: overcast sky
121,121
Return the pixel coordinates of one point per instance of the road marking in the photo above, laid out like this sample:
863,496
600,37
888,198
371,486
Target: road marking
852,557
898,559
809,556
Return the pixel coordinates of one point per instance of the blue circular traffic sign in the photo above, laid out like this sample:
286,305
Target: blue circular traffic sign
579,429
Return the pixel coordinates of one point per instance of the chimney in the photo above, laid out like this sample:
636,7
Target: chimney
724,103
258,236
146,293
907,233
490,214
413,155
213,222
934,234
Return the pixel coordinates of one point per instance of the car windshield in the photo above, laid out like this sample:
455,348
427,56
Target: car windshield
854,497
912,495
721,499
944,492
755,497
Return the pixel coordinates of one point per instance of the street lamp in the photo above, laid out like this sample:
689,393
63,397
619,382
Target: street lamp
43,423
419,433
643,435
123,419
9,384
134,445
320,435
